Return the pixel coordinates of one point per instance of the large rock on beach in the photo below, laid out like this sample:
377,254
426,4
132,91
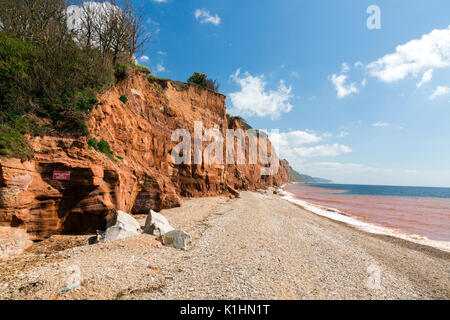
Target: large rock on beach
156,224
121,226
176,239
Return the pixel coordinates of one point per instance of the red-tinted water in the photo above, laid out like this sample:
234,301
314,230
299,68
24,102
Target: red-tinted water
429,217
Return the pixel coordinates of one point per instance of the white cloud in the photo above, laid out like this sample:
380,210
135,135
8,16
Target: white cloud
161,53
341,134
381,124
293,139
430,51
203,16
144,58
342,88
254,100
76,15
440,91
160,1
427,76
160,68
291,146
364,82
359,64
326,150
345,67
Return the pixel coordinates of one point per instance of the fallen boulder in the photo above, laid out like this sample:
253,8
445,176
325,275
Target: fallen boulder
156,224
121,226
176,239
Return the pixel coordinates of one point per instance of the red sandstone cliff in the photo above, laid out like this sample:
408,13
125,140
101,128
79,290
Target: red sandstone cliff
146,178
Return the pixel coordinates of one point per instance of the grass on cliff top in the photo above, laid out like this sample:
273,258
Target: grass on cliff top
14,144
153,77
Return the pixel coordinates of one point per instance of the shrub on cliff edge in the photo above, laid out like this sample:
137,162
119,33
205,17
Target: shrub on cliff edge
51,68
123,98
120,71
14,144
202,80
103,147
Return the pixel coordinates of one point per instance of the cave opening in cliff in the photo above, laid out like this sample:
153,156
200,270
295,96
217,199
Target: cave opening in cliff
73,221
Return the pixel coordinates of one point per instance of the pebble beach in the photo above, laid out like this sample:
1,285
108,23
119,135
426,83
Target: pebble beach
258,246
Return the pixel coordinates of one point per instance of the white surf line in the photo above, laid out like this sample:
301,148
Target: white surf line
337,215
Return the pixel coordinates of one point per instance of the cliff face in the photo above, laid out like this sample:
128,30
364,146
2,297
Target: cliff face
294,176
144,175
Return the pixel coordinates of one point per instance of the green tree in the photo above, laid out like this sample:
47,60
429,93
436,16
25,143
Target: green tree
197,78
51,68
202,80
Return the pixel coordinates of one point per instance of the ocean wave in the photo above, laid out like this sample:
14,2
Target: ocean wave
338,215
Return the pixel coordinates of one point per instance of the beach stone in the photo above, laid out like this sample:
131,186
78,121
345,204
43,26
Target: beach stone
178,239
156,224
121,226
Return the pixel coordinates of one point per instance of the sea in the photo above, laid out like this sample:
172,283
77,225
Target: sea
417,214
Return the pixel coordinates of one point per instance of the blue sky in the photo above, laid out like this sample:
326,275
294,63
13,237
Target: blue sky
345,109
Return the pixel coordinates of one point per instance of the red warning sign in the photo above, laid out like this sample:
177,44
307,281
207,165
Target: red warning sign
61,175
